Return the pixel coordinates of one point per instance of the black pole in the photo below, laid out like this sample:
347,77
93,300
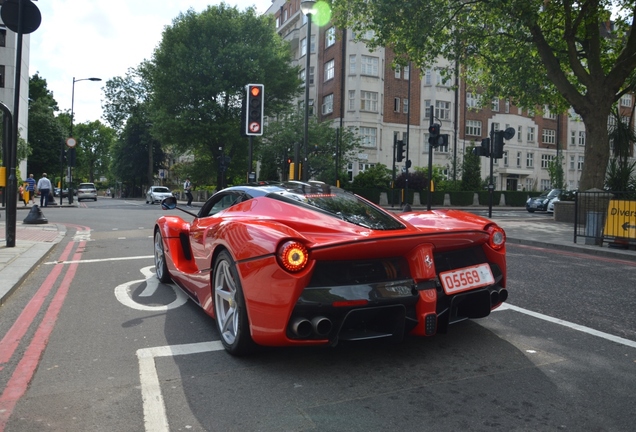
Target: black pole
393,171
12,184
249,157
429,195
407,206
491,186
306,132
10,227
337,183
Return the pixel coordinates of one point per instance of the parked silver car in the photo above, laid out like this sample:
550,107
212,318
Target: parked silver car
157,194
86,191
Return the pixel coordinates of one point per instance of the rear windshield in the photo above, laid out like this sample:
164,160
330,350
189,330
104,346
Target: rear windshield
86,186
337,203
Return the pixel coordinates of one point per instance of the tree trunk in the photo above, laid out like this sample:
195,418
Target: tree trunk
596,149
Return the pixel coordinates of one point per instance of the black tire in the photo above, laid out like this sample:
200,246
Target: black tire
229,307
161,268
530,211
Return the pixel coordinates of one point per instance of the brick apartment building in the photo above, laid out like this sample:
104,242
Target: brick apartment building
358,88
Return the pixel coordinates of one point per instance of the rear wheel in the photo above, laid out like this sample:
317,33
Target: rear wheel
229,307
161,268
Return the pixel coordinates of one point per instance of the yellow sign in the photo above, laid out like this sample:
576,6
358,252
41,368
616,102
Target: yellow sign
621,219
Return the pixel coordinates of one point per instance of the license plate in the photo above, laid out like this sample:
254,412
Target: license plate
466,278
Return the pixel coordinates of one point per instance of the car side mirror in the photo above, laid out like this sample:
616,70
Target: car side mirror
169,203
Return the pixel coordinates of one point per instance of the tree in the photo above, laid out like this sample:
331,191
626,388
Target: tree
94,141
471,168
46,133
282,135
198,75
509,47
555,170
377,177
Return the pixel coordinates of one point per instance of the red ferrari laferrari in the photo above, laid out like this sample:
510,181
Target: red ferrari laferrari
310,264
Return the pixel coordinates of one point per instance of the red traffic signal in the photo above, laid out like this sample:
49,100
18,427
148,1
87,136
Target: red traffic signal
254,109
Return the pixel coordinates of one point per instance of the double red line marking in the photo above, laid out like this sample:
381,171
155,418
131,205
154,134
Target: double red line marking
24,371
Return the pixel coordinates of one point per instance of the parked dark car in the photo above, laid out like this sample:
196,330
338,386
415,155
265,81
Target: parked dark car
541,202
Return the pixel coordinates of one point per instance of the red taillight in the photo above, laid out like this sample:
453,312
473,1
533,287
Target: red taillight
497,239
350,303
293,256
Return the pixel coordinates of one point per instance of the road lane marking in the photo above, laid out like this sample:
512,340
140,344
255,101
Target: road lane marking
573,326
123,293
100,260
155,419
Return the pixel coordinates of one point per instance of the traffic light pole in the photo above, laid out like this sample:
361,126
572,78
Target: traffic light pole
429,195
491,186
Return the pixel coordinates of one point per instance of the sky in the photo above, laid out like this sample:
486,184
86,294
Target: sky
84,39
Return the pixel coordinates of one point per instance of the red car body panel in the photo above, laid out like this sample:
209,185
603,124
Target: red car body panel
253,230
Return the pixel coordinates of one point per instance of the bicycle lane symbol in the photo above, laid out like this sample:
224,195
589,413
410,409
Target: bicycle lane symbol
123,293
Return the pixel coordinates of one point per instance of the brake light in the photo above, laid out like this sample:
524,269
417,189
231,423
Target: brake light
293,256
497,238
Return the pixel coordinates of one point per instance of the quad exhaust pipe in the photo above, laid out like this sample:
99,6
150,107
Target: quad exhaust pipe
497,297
303,328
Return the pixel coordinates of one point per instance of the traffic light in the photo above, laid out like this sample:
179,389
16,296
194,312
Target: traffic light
400,151
500,136
254,108
435,139
484,149
497,149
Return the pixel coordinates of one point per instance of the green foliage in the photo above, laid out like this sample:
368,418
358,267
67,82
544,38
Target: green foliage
555,170
283,134
94,141
198,75
378,177
471,167
533,52
621,173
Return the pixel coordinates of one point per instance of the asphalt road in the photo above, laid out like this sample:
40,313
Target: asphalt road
104,347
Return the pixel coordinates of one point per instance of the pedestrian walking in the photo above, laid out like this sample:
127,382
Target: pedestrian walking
44,187
187,186
31,188
24,195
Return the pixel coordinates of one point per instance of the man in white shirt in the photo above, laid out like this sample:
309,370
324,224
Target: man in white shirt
186,187
44,187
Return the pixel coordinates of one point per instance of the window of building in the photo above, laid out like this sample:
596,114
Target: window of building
427,77
427,109
368,101
1,76
352,64
507,106
327,104
572,162
519,156
352,100
369,65
519,133
580,164
407,72
505,158
572,138
530,133
329,70
545,160
303,46
350,171
495,126
405,106
3,36
581,138
396,104
442,110
312,44
330,37
471,100
495,104
626,100
442,80
530,160
473,127
398,72
548,136
545,184
368,136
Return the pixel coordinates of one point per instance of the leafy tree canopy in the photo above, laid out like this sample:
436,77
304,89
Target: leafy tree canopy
507,49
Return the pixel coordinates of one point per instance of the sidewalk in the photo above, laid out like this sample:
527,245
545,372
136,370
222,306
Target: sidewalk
33,242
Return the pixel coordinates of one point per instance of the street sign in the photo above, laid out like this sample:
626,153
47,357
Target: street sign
71,142
31,16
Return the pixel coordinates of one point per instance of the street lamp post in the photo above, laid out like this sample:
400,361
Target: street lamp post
70,142
307,7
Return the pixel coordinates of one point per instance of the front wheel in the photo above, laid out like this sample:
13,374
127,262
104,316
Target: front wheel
229,307
161,268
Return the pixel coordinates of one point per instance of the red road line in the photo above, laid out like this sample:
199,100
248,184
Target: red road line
19,381
12,338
